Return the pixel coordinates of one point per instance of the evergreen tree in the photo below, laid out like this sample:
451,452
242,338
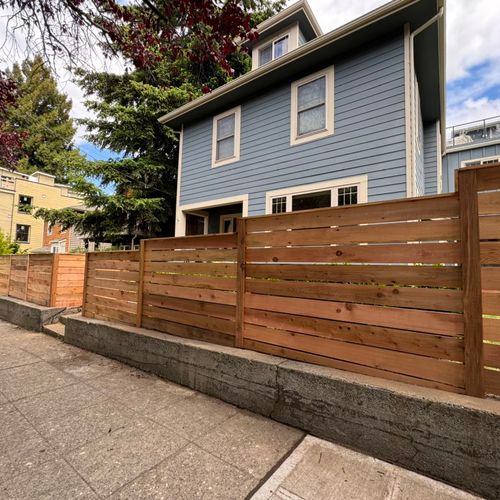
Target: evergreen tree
126,109
42,113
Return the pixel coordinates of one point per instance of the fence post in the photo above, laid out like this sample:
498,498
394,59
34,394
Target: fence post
85,277
140,286
8,275
53,279
471,282
27,277
241,231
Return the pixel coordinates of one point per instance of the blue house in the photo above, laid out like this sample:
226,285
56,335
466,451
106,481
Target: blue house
350,116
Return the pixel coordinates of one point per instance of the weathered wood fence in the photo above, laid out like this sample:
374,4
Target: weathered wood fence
394,289
54,280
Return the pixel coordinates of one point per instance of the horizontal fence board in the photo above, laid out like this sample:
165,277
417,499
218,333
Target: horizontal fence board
114,274
225,240
491,302
489,203
114,294
492,382
491,355
442,276
491,329
435,346
210,283
434,230
114,264
449,324
118,304
113,284
490,252
184,292
194,255
432,207
188,331
430,253
410,297
490,278
404,363
212,269
192,319
489,227
126,255
198,307
488,178
343,365
109,313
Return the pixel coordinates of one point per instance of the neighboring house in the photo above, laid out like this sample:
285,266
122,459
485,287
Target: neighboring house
350,116
18,192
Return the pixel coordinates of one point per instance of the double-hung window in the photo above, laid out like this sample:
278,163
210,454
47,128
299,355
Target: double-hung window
226,137
312,107
344,192
22,233
273,50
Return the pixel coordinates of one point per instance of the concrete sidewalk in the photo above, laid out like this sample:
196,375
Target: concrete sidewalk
77,425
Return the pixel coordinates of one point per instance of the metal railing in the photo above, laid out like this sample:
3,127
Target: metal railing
473,132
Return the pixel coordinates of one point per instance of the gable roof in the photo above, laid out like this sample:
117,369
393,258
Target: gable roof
375,24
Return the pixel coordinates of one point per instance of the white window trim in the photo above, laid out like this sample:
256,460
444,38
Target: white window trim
481,159
361,181
293,42
237,134
329,75
225,217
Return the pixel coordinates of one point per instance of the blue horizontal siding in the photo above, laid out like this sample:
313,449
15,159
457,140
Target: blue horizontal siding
369,137
453,159
430,158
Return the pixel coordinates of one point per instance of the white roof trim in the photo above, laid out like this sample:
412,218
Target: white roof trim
317,43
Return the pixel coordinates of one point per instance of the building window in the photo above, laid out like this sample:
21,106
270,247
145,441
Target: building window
49,229
344,192
278,205
24,203
226,137
195,224
273,50
22,233
347,196
312,107
228,223
490,160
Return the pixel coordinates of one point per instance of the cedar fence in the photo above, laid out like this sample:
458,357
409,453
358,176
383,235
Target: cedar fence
407,290
54,280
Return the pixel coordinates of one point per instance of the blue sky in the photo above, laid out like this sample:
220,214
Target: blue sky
472,58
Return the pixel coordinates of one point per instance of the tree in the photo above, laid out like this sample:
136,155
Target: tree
10,140
144,31
42,114
126,109
6,246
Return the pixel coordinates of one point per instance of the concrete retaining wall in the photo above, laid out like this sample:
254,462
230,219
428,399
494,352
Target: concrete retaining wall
28,315
450,437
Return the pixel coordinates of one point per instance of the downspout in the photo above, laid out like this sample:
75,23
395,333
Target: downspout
413,120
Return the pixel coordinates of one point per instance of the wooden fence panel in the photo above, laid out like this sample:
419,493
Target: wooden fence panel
111,280
39,279
18,276
373,288
489,233
67,287
189,287
4,274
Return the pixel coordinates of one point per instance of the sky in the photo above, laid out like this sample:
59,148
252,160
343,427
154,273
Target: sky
472,59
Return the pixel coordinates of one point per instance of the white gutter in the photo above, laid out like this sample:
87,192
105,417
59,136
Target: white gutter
317,43
413,116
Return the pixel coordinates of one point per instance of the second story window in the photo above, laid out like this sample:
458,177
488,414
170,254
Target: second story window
273,50
25,202
312,107
226,137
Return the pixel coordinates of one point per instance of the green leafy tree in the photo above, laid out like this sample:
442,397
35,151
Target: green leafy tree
42,113
125,110
7,247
